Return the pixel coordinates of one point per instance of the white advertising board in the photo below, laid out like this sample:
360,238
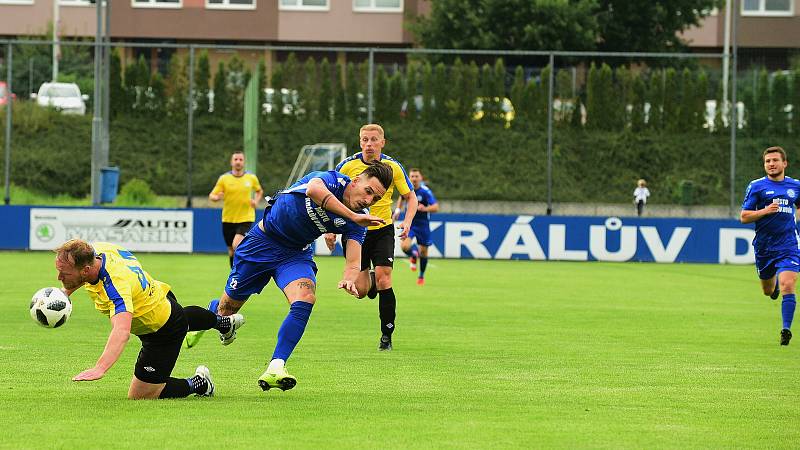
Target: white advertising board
136,230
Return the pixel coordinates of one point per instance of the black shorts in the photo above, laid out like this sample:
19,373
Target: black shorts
378,248
229,230
160,349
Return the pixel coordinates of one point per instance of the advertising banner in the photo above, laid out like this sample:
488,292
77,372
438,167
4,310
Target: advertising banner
136,230
559,238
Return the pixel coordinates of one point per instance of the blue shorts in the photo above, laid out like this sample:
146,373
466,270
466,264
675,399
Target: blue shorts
259,258
770,264
422,233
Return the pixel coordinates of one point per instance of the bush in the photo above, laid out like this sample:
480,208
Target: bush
135,192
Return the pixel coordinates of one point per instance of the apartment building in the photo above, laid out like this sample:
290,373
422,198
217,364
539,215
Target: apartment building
767,33
323,23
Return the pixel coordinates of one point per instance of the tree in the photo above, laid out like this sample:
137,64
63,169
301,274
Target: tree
221,99
509,24
115,89
177,86
339,101
202,82
608,25
647,25
325,91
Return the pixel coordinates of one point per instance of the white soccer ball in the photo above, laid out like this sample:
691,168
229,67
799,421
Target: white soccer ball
50,307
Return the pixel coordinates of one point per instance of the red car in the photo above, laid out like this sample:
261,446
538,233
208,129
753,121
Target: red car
4,93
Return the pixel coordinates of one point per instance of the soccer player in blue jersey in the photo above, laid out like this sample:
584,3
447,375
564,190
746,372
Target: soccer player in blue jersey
279,247
138,304
771,203
420,225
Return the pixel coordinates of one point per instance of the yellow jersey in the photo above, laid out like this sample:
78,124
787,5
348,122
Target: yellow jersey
123,286
238,191
354,165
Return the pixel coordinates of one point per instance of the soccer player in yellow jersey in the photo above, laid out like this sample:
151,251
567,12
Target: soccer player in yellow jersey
236,189
138,304
378,247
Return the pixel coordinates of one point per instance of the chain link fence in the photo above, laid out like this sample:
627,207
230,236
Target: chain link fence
553,128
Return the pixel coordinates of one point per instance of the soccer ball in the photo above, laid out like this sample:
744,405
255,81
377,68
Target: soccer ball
50,307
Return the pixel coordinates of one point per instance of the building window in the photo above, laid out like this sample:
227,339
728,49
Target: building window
767,8
75,3
231,4
16,2
304,5
378,5
157,3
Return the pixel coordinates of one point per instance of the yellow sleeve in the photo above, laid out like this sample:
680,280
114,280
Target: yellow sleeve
256,184
220,186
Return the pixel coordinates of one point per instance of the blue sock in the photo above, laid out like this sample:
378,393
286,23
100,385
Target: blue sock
423,263
415,250
213,305
787,310
292,329
408,252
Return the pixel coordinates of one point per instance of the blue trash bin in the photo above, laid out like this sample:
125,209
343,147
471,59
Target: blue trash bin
109,184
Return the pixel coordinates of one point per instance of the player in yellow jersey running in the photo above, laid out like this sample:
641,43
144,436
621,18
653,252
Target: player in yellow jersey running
138,304
378,247
236,189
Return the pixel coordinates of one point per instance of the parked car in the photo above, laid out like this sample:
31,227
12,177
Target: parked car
4,93
65,97
290,98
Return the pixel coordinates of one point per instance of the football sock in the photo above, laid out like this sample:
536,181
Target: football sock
408,252
414,250
386,309
197,384
276,365
787,310
213,305
223,324
199,318
292,329
423,263
230,261
177,388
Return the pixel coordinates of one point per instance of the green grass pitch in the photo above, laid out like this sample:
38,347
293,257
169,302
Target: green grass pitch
489,354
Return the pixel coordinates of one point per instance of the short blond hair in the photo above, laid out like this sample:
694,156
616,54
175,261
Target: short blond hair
371,127
642,182
77,252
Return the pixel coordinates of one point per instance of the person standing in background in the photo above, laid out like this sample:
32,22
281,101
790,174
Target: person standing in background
236,189
640,195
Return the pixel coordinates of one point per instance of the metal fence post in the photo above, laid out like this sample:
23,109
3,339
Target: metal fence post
550,82
9,60
370,74
97,122
734,119
190,127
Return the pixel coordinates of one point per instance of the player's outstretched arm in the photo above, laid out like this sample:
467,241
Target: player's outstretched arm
319,193
120,333
352,268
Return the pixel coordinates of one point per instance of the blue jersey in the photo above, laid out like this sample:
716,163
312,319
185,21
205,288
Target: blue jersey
424,197
774,232
294,221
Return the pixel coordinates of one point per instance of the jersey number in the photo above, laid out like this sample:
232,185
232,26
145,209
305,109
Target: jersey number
140,274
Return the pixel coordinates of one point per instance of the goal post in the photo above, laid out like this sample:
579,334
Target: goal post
315,157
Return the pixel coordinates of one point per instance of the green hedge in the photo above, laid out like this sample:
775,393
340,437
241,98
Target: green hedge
51,154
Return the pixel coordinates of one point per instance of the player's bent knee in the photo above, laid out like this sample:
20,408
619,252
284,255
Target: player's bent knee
141,390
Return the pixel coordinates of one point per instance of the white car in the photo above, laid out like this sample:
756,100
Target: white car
65,97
